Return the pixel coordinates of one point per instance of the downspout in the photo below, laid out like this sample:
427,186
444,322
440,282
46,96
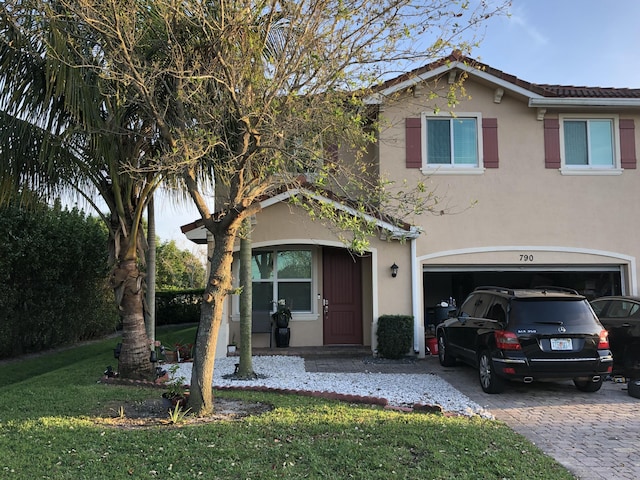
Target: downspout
418,324
375,310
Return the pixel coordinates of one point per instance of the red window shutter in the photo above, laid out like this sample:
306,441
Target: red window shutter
627,144
413,133
551,143
490,142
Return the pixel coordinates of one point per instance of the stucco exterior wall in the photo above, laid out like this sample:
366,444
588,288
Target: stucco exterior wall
521,204
519,215
284,225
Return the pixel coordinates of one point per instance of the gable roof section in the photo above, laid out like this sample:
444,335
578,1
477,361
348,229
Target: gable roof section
539,95
398,229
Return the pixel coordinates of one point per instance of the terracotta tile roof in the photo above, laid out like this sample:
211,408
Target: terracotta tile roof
545,90
589,92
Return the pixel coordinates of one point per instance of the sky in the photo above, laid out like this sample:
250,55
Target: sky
593,43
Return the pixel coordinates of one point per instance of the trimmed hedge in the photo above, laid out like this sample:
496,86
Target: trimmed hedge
395,335
178,306
53,279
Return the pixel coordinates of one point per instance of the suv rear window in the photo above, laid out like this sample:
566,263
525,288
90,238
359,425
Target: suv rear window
535,311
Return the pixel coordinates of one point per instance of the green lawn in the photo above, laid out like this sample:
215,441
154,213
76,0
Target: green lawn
49,430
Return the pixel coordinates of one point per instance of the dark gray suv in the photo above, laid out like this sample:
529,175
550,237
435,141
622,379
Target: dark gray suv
620,315
527,335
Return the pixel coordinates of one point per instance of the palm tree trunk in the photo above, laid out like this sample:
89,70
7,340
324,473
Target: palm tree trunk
134,360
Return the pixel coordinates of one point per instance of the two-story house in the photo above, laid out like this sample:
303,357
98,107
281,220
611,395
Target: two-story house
539,186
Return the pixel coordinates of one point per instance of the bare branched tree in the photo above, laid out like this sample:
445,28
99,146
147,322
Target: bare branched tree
258,97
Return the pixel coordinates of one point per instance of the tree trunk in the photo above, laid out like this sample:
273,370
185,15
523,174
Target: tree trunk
218,287
150,317
245,369
134,361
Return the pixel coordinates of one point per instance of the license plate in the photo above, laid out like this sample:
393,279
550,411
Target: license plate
561,344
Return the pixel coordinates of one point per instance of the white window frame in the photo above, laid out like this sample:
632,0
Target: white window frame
318,163
298,315
466,169
614,169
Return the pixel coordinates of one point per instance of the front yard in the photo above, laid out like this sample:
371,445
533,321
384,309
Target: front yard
58,422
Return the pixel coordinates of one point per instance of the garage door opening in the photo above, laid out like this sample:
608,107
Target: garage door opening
442,284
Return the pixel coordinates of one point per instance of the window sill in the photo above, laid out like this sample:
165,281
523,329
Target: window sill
591,171
304,317
452,171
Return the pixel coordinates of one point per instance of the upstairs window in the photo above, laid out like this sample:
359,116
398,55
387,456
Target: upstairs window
589,143
452,141
441,145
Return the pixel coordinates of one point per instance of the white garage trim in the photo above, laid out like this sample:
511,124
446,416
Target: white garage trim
521,268
622,260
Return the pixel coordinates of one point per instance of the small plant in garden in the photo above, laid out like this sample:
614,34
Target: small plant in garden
121,412
176,388
178,415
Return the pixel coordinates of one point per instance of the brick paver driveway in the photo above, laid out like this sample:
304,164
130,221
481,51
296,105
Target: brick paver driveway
595,435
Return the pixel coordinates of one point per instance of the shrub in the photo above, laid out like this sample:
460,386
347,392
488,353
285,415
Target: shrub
178,306
53,279
395,335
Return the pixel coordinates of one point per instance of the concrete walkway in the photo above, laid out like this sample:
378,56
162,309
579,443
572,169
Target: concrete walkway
594,435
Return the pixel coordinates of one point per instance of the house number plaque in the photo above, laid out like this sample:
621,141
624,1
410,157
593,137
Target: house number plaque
526,257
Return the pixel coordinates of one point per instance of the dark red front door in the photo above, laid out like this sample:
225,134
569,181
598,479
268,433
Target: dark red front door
342,297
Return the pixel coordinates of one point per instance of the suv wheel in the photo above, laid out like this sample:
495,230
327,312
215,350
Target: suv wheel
445,357
489,381
634,388
588,385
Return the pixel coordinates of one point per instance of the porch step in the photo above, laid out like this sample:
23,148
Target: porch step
336,351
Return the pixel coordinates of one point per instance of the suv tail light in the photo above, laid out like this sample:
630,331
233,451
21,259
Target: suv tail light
506,340
603,342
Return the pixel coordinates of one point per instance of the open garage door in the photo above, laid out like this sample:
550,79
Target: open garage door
441,283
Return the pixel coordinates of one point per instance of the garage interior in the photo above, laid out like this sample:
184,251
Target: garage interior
441,284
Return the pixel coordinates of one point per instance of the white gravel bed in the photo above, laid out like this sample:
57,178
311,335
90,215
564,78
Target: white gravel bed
288,372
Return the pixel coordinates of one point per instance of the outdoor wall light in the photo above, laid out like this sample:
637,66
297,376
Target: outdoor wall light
394,270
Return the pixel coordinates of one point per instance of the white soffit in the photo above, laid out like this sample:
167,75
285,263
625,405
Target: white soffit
378,97
584,102
396,232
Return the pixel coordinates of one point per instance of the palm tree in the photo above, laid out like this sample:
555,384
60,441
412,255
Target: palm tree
66,130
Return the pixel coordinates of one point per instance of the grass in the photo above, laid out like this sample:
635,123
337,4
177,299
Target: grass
48,430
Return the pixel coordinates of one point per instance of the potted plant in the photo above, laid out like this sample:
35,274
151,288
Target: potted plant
231,348
168,356
281,318
282,315
184,351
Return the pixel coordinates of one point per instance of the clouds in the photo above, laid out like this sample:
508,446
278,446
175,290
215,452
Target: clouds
520,24
571,42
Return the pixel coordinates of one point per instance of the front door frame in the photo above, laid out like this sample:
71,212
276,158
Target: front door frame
342,312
